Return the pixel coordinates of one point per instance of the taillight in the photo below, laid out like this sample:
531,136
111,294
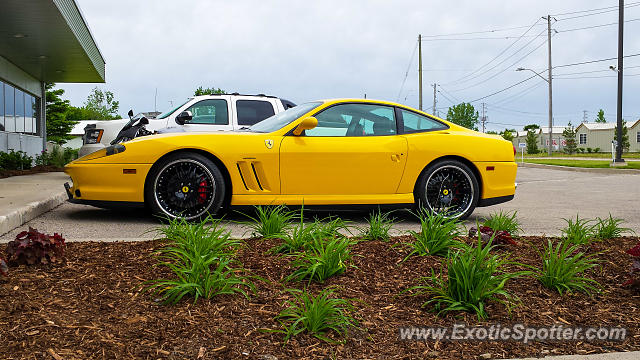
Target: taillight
514,150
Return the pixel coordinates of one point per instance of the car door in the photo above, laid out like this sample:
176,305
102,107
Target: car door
209,115
250,110
353,150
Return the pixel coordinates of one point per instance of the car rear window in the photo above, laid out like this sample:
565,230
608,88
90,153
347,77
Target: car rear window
253,111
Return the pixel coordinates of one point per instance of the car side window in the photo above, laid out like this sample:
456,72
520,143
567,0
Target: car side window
253,111
210,112
355,120
414,122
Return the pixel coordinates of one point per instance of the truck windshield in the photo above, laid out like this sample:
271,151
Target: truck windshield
280,120
169,112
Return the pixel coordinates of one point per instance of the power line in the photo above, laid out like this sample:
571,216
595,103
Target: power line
594,61
481,38
477,32
595,71
505,69
406,74
596,26
497,56
593,77
597,13
505,89
598,9
520,94
450,94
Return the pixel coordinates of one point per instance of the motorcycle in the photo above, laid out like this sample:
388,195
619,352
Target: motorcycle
133,129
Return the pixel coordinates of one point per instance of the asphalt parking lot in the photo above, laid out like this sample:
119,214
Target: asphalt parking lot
543,198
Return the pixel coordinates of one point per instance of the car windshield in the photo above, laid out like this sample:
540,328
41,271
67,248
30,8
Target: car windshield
169,112
280,120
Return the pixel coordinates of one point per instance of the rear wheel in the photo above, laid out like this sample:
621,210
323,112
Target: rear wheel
185,185
449,188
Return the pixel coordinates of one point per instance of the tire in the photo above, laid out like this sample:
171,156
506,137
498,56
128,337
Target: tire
448,182
185,185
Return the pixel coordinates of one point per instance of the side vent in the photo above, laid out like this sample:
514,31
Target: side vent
253,176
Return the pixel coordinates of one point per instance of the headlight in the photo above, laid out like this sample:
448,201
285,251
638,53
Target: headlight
92,136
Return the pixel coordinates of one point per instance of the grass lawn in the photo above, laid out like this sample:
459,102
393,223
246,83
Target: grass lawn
606,155
582,163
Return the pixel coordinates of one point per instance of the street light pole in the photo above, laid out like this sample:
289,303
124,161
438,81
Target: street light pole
550,85
619,160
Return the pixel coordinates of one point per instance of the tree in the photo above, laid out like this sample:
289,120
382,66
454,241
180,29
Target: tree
625,136
58,126
600,117
208,91
463,114
492,132
532,142
569,134
531,127
507,134
100,105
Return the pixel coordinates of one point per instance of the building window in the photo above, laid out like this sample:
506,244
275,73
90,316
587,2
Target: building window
19,111
638,137
583,139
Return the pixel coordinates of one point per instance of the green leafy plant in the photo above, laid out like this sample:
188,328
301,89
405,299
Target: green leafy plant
58,157
437,235
321,259
270,222
474,277
379,225
33,247
579,232
503,221
201,257
15,160
562,268
303,234
317,315
609,228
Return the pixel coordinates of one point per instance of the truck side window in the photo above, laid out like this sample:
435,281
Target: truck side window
210,112
253,111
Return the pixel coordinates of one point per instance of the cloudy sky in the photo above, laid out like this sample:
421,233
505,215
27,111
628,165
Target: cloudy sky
307,50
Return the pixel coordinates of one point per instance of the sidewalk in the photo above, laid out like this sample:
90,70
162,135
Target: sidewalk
606,356
25,197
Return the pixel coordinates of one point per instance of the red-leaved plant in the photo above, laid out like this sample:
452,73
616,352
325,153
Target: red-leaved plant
634,279
499,237
33,247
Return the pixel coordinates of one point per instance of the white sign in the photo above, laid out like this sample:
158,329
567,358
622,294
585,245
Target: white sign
522,145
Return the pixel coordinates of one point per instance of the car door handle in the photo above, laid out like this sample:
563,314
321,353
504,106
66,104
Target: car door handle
396,157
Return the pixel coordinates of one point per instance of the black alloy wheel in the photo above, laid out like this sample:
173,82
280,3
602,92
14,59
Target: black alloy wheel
449,188
187,186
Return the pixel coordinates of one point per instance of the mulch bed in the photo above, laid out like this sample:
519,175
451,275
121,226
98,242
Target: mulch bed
33,170
91,307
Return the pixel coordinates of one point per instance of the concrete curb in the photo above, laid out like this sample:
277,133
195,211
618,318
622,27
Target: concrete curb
578,169
604,356
30,211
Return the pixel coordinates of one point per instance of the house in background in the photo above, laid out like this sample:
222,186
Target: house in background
599,135
543,138
41,41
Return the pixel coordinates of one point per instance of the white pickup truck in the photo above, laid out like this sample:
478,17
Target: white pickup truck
210,113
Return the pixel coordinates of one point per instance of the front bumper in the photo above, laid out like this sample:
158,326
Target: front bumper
106,182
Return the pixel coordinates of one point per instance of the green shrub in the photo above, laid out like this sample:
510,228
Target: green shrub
474,277
579,232
303,234
589,150
562,266
609,228
503,221
379,225
321,259
15,160
271,221
437,234
316,314
596,150
201,258
58,157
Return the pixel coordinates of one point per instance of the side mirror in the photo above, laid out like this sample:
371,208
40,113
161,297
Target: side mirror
130,113
144,121
184,117
307,123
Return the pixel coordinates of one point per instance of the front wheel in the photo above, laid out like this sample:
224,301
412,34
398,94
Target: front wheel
185,185
449,188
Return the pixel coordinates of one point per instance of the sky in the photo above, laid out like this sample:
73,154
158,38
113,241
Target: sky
309,50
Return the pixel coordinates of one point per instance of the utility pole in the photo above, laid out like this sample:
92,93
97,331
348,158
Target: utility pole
434,99
550,86
619,160
484,117
420,70
584,116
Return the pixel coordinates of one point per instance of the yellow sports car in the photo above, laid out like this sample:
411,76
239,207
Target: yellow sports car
332,152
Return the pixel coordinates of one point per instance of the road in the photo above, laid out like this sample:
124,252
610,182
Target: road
543,198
